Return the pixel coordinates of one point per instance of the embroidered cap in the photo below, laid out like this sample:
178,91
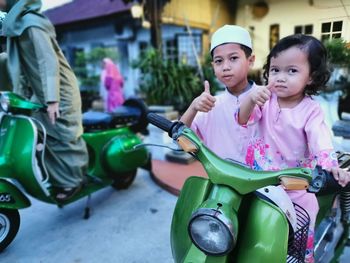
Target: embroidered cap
230,34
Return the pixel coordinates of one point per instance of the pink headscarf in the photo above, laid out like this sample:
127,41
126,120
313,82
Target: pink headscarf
111,70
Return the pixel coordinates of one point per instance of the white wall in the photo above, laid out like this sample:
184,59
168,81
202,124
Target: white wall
289,14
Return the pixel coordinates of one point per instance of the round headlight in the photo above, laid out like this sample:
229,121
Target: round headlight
4,103
211,232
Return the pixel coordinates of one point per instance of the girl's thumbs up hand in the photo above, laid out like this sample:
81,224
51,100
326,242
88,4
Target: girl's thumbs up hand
204,102
261,94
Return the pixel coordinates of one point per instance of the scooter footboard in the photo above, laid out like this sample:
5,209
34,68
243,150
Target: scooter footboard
263,235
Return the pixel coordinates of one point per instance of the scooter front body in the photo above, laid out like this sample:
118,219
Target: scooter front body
257,220
18,150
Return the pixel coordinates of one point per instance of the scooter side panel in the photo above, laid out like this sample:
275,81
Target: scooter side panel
113,149
11,197
325,203
192,195
17,150
120,156
263,235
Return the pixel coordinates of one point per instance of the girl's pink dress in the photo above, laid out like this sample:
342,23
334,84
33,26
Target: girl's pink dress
113,82
296,137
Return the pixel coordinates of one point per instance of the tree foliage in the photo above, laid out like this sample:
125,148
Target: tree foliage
87,66
166,82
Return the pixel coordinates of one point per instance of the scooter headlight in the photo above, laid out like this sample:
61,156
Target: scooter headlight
212,232
4,103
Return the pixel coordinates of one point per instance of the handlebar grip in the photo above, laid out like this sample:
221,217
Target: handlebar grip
161,122
327,184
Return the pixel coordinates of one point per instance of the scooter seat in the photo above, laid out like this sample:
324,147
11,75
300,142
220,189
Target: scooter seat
123,115
96,118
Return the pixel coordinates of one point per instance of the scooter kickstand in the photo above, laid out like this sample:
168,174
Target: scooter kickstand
87,207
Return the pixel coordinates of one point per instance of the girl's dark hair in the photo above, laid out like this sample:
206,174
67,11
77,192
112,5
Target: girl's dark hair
316,55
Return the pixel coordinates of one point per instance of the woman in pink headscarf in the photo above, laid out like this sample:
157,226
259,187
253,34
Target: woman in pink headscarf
113,82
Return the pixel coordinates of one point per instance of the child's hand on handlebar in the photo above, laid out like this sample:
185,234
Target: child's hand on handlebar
204,102
340,175
53,111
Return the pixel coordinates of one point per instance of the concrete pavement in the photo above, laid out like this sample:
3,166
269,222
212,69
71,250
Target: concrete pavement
129,226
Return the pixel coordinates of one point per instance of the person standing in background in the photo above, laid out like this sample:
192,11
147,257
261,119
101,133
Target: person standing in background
112,82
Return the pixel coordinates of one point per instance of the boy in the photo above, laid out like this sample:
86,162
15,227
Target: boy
212,117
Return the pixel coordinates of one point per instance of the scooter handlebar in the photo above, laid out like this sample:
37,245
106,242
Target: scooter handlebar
162,123
323,183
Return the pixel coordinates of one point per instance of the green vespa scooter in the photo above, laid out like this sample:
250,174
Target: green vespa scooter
231,215
110,139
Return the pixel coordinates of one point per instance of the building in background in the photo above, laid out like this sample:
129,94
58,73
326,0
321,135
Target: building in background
270,20
82,25
186,27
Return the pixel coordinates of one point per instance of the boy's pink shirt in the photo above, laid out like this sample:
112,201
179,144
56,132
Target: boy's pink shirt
220,131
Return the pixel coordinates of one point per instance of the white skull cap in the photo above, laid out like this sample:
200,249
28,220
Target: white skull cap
230,34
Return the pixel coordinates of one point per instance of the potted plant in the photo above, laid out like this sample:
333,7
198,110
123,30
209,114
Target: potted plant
166,82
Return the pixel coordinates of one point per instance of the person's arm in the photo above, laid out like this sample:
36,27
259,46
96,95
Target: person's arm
257,96
320,144
204,103
47,60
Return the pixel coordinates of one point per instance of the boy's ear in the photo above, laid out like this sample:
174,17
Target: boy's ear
251,60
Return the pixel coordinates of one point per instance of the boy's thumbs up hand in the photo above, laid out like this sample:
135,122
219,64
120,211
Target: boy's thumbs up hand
206,86
204,102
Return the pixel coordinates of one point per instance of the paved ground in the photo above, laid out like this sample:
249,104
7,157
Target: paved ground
129,226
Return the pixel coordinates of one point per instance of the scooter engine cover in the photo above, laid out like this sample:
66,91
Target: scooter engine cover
121,156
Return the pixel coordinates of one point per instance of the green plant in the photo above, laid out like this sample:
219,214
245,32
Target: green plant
166,82
87,67
338,51
339,59
87,64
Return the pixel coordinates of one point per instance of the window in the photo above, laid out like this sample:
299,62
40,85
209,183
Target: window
186,52
180,49
303,29
331,29
143,45
274,35
170,49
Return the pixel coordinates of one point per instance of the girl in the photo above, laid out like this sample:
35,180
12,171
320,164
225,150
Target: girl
291,131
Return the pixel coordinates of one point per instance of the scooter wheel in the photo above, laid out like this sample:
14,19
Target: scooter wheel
9,225
124,180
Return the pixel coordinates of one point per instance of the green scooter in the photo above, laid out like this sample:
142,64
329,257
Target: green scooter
238,214
110,139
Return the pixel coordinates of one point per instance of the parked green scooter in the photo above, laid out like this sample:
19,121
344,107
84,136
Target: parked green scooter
110,139
233,217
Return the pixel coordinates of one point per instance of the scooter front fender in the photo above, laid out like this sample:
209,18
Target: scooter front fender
11,197
193,194
264,233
